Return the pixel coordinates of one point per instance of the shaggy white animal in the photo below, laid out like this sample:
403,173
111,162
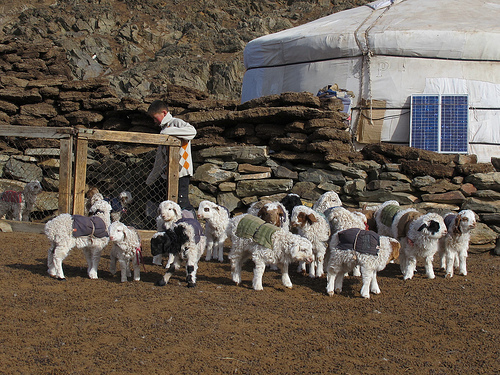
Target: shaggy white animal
419,238
59,231
312,225
169,213
343,261
287,248
19,205
327,200
384,217
178,243
126,248
453,248
216,221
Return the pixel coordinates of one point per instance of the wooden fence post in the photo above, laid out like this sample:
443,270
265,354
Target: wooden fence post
80,176
65,174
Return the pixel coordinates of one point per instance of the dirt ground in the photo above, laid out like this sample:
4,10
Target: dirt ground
83,326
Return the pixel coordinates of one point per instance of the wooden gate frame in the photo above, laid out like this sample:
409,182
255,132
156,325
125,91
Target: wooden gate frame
72,189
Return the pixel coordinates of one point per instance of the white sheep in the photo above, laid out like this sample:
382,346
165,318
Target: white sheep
216,221
126,248
312,225
454,246
248,233
327,200
359,248
18,205
66,232
182,241
419,235
169,213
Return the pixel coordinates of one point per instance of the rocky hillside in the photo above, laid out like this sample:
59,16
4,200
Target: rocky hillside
141,46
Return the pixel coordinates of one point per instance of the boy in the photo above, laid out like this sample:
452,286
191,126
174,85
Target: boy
158,110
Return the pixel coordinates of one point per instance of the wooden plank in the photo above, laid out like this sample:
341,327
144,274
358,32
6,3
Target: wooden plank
128,137
173,174
35,132
65,175
21,226
80,176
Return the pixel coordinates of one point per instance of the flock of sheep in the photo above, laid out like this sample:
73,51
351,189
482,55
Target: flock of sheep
325,239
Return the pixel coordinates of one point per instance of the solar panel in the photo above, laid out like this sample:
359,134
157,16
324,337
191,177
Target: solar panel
440,123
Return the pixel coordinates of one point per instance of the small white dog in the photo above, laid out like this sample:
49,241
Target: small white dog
453,248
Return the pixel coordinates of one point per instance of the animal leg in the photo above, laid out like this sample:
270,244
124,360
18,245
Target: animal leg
410,266
450,263
367,277
50,260
125,270
210,249
95,257
171,267
330,283
17,212
312,269
60,252
220,254
112,263
374,288
429,270
285,277
191,269
137,269
258,272
462,263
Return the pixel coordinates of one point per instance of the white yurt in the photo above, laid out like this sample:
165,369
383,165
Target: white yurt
385,53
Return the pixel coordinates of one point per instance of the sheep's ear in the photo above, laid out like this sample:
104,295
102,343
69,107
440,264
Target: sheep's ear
261,211
396,246
422,227
312,218
434,226
456,227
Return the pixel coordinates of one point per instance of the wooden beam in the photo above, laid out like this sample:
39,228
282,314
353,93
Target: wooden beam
65,175
35,132
22,226
80,176
172,173
128,137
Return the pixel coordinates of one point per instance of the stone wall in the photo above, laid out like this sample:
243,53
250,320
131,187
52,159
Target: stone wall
269,146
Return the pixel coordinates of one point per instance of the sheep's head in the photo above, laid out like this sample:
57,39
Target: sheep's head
301,250
206,210
327,200
33,188
169,211
433,225
101,207
117,231
273,213
125,198
301,217
464,222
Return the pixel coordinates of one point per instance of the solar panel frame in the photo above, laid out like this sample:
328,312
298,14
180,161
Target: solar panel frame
440,123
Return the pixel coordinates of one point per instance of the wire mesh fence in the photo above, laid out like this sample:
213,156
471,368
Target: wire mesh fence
119,173
24,161
116,169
